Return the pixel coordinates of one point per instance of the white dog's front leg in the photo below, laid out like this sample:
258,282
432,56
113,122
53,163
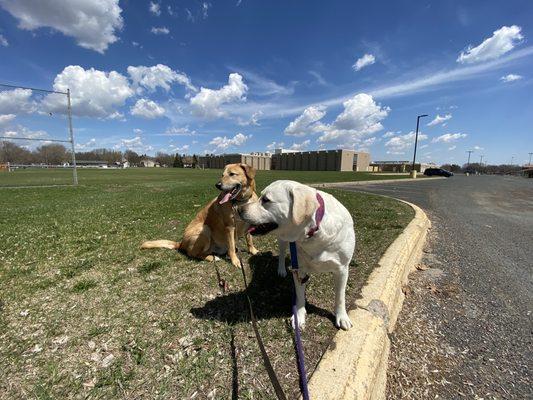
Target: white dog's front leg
282,271
341,316
300,303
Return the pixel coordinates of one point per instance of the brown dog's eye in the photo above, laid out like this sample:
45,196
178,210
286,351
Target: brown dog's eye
232,174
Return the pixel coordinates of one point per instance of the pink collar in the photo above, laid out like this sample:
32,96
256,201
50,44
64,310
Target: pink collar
319,214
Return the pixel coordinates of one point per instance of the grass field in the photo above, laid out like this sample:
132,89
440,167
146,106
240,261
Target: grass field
85,314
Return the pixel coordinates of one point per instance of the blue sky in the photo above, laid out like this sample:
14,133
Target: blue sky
228,76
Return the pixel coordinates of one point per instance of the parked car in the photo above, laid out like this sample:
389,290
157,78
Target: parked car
437,172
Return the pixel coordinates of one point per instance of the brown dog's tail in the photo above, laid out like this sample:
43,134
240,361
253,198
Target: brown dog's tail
160,244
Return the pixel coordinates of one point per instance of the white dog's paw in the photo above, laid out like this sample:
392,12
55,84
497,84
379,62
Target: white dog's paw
342,321
301,318
282,271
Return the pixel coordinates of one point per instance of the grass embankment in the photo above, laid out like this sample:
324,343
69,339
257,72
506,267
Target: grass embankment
85,314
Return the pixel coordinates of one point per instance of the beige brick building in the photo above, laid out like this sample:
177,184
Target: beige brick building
323,160
260,161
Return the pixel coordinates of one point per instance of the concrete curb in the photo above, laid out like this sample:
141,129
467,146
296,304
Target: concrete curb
377,181
355,364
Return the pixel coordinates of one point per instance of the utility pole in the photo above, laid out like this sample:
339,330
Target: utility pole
529,158
413,171
71,134
481,160
512,160
469,152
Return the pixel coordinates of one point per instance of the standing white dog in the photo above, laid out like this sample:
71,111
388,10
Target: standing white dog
322,229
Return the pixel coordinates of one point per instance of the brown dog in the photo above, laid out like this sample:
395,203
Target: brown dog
214,230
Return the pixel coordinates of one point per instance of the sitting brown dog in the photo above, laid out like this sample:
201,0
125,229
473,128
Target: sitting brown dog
215,230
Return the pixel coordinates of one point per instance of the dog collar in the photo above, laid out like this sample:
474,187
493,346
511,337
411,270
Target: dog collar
319,214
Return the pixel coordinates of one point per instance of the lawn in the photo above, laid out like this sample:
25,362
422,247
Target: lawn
85,314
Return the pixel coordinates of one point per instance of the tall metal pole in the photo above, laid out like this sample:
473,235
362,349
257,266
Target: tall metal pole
71,132
416,140
529,158
481,160
469,152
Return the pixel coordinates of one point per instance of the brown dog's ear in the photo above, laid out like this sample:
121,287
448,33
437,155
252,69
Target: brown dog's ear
248,170
304,204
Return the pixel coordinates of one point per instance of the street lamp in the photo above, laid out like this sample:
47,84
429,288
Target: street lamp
413,171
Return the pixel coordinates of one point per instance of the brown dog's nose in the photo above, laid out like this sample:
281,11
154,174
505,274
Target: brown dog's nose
218,185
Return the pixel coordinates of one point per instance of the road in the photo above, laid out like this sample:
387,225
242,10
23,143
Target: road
466,327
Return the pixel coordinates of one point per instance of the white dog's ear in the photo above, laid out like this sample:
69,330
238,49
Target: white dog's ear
304,204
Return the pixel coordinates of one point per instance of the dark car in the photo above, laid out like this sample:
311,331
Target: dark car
437,172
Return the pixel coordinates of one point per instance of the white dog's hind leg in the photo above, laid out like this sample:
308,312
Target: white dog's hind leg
282,271
300,303
341,316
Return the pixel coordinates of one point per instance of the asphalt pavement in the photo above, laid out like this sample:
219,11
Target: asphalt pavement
466,327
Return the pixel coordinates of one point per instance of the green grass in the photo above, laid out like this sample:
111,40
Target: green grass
85,314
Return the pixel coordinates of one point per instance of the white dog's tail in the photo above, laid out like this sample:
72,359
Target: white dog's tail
160,244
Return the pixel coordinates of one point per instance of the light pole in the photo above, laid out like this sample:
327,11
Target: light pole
469,152
413,170
481,159
529,158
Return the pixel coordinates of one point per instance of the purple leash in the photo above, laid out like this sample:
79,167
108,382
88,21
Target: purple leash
297,338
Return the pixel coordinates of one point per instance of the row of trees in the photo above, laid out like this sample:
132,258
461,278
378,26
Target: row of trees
483,168
57,154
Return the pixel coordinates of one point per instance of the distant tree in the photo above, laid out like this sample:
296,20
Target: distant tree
132,157
451,167
15,154
52,154
164,159
194,161
178,161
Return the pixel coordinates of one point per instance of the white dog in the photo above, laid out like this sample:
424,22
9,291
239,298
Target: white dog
322,229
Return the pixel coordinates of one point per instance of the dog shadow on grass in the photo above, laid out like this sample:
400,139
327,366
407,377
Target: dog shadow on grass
270,294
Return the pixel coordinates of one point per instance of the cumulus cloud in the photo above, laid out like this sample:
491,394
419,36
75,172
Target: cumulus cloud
300,146
94,93
439,120
159,75
207,103
6,118
389,134
365,61
303,124
147,109
3,41
15,101
222,143
155,8
176,148
275,145
179,131
254,119
452,148
397,144
163,30
478,148
85,146
502,41
511,78
361,116
20,131
92,23
449,137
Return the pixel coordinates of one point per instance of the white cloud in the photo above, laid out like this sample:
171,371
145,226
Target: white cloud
502,41
424,146
159,75
136,144
6,118
155,8
261,86
15,101
20,131
163,30
366,60
207,103
511,78
183,148
361,116
452,148
92,23
205,9
397,144
389,134
3,41
439,120
147,109
275,145
179,131
222,143
94,93
300,146
304,123
318,77
478,148
85,146
449,137
254,119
